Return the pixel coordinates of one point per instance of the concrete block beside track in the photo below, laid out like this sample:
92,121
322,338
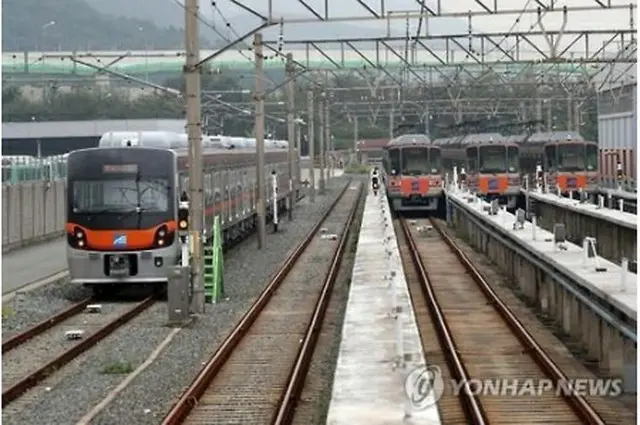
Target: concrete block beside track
591,306
32,212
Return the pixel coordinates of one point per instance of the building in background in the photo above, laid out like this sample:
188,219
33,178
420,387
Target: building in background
617,132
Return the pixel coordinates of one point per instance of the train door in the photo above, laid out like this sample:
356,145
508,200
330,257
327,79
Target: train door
471,169
550,165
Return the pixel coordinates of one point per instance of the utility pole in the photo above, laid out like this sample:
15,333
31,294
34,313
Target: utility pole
355,138
321,139
194,132
290,130
259,129
327,137
310,129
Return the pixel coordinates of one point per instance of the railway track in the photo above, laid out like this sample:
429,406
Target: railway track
258,372
31,356
472,336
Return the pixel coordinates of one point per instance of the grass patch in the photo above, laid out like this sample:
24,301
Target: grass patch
7,311
117,368
357,169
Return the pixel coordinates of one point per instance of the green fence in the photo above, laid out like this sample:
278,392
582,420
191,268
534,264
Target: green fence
17,169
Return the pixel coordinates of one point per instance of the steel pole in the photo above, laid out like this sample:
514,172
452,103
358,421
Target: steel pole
259,133
321,149
291,131
312,176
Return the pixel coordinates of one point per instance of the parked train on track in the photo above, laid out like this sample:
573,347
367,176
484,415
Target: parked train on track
122,201
496,165
413,173
488,162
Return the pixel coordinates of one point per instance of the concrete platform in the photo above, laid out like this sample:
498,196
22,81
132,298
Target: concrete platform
591,305
368,386
619,194
32,263
614,216
615,231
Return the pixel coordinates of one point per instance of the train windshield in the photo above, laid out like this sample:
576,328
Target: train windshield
493,159
592,157
394,162
120,195
513,159
120,188
571,157
415,161
435,160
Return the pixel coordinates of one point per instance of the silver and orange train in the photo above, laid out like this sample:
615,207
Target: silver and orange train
488,163
413,173
123,202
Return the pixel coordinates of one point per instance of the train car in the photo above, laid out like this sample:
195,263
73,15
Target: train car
570,163
413,173
491,165
122,204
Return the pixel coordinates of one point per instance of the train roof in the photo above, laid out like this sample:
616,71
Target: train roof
177,141
555,136
410,140
471,139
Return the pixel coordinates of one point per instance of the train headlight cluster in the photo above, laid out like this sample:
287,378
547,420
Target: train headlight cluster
163,237
77,238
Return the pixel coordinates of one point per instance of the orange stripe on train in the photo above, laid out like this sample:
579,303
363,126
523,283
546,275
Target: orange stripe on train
414,185
568,181
136,239
493,184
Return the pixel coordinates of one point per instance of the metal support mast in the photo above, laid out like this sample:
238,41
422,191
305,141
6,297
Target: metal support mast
259,130
327,138
322,141
194,131
291,131
312,177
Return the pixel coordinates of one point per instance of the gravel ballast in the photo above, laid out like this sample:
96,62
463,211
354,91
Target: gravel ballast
29,308
75,389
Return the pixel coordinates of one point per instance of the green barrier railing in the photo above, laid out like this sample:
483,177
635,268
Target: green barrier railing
23,169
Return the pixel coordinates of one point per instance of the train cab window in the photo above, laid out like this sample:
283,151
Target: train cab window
592,157
550,157
513,159
435,161
394,162
472,160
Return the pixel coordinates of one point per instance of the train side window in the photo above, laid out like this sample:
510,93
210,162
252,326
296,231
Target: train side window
472,160
550,157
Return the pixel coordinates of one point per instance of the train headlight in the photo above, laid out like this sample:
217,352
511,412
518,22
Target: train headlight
163,237
77,238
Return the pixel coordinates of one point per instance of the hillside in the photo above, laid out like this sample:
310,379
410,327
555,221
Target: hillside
170,13
78,27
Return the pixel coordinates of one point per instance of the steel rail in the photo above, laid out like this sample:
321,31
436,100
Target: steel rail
194,392
290,398
577,402
36,377
45,325
471,403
